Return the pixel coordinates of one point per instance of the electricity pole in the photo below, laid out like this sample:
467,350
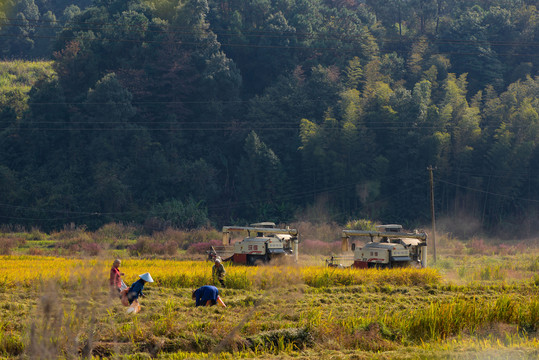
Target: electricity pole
430,169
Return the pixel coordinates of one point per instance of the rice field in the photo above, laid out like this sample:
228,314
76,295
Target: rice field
57,307
27,271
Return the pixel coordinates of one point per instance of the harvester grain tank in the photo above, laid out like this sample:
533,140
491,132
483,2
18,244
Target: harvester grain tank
389,247
264,242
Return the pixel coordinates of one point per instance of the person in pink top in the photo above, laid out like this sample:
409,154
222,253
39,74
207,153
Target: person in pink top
115,281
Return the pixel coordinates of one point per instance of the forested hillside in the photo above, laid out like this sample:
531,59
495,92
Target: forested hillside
188,112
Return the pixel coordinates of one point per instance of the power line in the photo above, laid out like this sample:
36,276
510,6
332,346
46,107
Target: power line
508,174
361,124
488,192
295,129
217,102
248,33
232,126
287,47
233,204
42,219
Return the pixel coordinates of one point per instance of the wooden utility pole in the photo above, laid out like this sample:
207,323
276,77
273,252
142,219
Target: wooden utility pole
430,169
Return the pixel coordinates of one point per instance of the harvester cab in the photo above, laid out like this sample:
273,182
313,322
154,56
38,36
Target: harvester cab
264,242
389,247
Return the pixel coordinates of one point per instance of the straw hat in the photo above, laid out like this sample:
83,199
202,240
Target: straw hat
146,277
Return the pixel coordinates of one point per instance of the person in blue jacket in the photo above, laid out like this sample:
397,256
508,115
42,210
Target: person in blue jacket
135,290
207,295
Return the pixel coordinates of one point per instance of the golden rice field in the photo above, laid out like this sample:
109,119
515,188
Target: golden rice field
61,308
29,270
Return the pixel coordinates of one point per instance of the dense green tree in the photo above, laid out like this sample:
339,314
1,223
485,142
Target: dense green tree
178,214
70,12
260,179
252,109
510,154
44,35
16,36
472,52
417,59
353,73
108,102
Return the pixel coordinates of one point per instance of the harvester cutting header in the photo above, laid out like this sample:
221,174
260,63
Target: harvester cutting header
264,242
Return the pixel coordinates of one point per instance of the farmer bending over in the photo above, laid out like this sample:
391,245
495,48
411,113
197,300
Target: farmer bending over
135,291
207,295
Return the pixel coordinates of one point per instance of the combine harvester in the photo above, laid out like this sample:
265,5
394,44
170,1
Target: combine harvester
264,243
389,247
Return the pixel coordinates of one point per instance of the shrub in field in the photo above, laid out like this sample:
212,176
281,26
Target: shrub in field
203,235
92,249
513,248
71,232
202,247
115,235
72,239
143,246
479,247
504,249
446,263
146,246
490,273
77,241
35,234
448,245
36,251
6,245
116,231
186,238
170,234
166,248
534,265
531,323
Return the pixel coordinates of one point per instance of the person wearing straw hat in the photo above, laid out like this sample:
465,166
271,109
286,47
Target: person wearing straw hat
218,271
135,290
